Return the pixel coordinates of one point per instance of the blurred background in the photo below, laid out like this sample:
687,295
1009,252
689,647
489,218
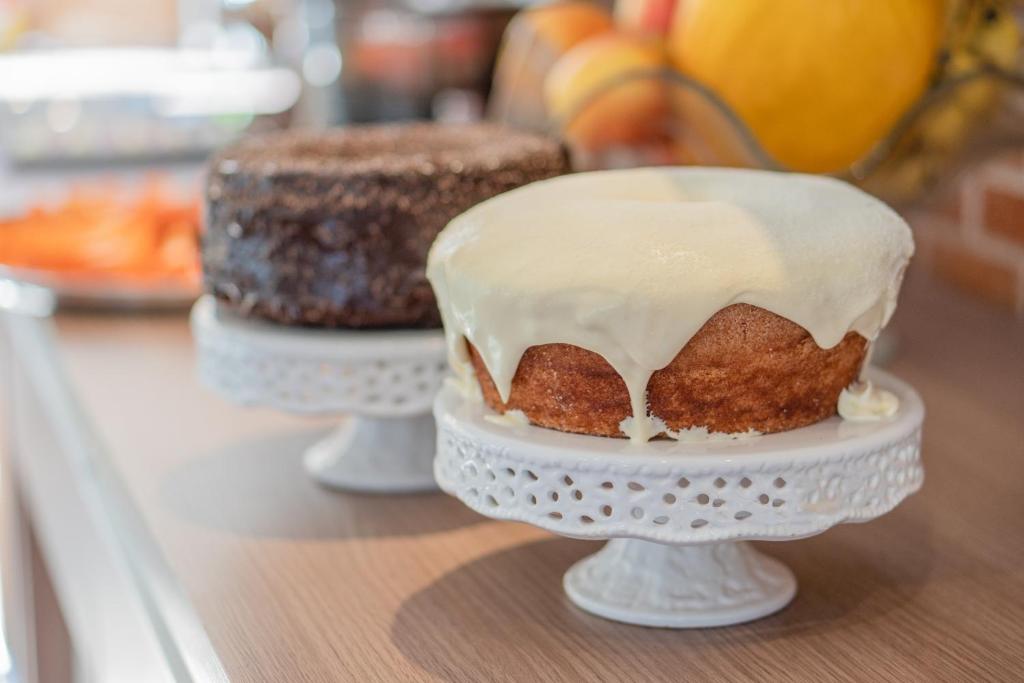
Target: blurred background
108,107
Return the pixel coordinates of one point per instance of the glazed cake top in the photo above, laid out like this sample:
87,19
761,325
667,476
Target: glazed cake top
630,264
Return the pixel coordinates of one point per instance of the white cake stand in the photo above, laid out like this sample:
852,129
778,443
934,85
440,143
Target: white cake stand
679,513
387,378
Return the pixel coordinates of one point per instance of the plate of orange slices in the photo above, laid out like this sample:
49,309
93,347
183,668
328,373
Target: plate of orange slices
107,245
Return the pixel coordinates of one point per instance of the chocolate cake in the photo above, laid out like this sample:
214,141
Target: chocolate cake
332,229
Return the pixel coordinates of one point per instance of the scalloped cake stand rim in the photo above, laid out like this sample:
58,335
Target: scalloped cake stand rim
830,442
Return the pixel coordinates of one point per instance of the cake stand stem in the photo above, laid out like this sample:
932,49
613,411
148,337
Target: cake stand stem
376,455
688,586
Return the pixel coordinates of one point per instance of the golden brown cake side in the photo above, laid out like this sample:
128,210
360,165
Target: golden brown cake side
746,368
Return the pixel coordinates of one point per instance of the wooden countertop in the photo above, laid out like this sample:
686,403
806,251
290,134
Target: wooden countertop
294,582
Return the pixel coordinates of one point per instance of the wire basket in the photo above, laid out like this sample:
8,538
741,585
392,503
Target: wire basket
679,121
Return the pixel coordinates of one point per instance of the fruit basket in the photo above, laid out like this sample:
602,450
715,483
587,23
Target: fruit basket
928,145
625,94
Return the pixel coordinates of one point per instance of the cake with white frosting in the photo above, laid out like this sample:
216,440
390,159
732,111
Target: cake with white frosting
672,302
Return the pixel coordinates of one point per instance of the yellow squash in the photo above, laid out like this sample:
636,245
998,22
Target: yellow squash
818,82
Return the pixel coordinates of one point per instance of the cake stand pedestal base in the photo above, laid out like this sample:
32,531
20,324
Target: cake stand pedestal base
678,513
693,586
385,380
376,455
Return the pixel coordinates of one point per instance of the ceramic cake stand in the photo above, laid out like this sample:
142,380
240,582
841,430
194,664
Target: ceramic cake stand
679,514
388,379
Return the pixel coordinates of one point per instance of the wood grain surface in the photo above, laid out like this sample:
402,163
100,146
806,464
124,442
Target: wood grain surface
297,583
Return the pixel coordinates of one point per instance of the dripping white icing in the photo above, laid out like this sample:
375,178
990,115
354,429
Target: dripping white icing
630,264
510,418
864,402
688,435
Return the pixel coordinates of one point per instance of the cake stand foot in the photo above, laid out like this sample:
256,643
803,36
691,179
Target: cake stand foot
691,586
376,455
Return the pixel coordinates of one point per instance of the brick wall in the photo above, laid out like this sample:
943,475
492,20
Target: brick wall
974,236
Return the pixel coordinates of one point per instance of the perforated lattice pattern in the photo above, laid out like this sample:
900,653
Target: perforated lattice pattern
290,382
678,502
